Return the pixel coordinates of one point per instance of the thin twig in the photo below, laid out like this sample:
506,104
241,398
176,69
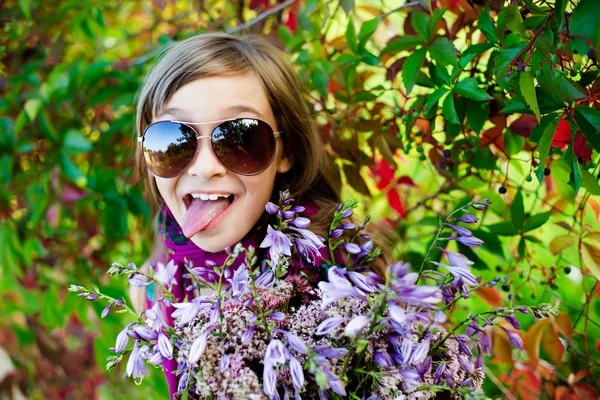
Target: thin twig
403,6
490,374
260,17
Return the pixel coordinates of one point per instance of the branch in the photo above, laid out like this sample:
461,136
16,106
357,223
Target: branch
403,6
260,17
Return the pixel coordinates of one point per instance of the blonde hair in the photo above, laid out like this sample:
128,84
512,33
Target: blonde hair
219,54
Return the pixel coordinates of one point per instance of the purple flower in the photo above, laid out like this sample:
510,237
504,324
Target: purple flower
239,282
338,287
271,208
420,352
465,364
301,222
384,359
328,352
166,274
329,325
352,248
440,317
199,346
106,310
397,314
514,338
297,373
138,280
186,312
467,219
347,213
155,317
459,273
224,364
470,241
136,367
143,332
164,346
215,314
460,230
122,339
439,372
424,366
247,335
278,243
269,379
513,321
411,378
356,325
361,281
275,352
335,383
296,342
336,233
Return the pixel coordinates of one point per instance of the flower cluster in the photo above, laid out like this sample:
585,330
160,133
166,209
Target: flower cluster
269,331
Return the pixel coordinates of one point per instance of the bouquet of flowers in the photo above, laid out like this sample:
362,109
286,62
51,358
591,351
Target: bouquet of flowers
273,330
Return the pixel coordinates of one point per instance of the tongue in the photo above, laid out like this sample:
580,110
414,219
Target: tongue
200,213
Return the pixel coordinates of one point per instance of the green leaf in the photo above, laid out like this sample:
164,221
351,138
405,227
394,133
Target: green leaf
486,25
478,48
75,142
491,242
434,21
449,110
590,183
528,90
546,143
347,5
484,159
470,89
559,12
513,143
70,170
351,36
584,22
443,51
402,43
32,107
367,30
477,114
516,105
575,178
434,98
588,120
514,20
517,211
537,220
440,73
411,66
25,6
419,24
503,229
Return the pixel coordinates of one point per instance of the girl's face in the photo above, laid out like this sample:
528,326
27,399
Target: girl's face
213,99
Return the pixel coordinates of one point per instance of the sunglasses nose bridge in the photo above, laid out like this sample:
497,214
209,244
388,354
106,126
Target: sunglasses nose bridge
206,164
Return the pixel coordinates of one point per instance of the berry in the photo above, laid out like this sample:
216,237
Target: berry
397,111
528,178
447,153
554,58
501,190
528,69
538,73
420,149
557,74
404,118
547,171
398,136
591,53
408,146
521,67
560,46
422,157
442,165
506,288
415,115
384,129
567,270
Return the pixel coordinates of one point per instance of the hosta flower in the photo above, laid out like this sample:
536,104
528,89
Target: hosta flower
278,243
356,325
165,274
470,241
467,219
514,338
338,287
186,312
164,346
136,367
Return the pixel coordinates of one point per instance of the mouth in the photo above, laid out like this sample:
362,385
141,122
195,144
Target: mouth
204,211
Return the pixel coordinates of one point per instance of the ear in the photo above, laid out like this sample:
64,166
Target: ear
285,164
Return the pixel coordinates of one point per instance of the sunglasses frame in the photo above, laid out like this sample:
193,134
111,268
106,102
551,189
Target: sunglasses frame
277,134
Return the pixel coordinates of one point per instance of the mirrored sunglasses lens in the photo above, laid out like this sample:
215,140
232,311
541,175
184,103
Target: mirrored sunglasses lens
169,147
245,146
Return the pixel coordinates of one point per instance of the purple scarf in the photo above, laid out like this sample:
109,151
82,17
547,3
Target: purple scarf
178,248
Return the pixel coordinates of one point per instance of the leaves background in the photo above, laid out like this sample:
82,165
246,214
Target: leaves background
422,105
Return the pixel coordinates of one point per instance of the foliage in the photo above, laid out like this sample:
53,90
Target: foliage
420,104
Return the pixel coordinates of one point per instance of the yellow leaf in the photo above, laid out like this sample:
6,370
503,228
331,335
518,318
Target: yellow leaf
595,236
552,345
595,206
490,296
501,347
561,243
533,338
591,259
563,324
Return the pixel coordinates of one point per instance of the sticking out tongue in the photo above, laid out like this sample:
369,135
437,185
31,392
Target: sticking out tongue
200,213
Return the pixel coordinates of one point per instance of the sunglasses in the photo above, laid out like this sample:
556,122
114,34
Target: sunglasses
245,146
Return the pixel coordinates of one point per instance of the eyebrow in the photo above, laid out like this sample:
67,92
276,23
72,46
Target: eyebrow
235,109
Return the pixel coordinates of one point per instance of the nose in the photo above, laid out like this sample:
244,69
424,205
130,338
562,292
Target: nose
206,165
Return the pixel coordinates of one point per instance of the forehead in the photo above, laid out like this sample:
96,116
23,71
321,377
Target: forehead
219,97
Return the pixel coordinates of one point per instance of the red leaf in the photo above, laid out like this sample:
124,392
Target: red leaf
562,136
395,202
523,125
384,172
292,19
490,296
406,180
393,69
580,148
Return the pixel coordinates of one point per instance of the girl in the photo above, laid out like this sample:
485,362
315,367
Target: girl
222,128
